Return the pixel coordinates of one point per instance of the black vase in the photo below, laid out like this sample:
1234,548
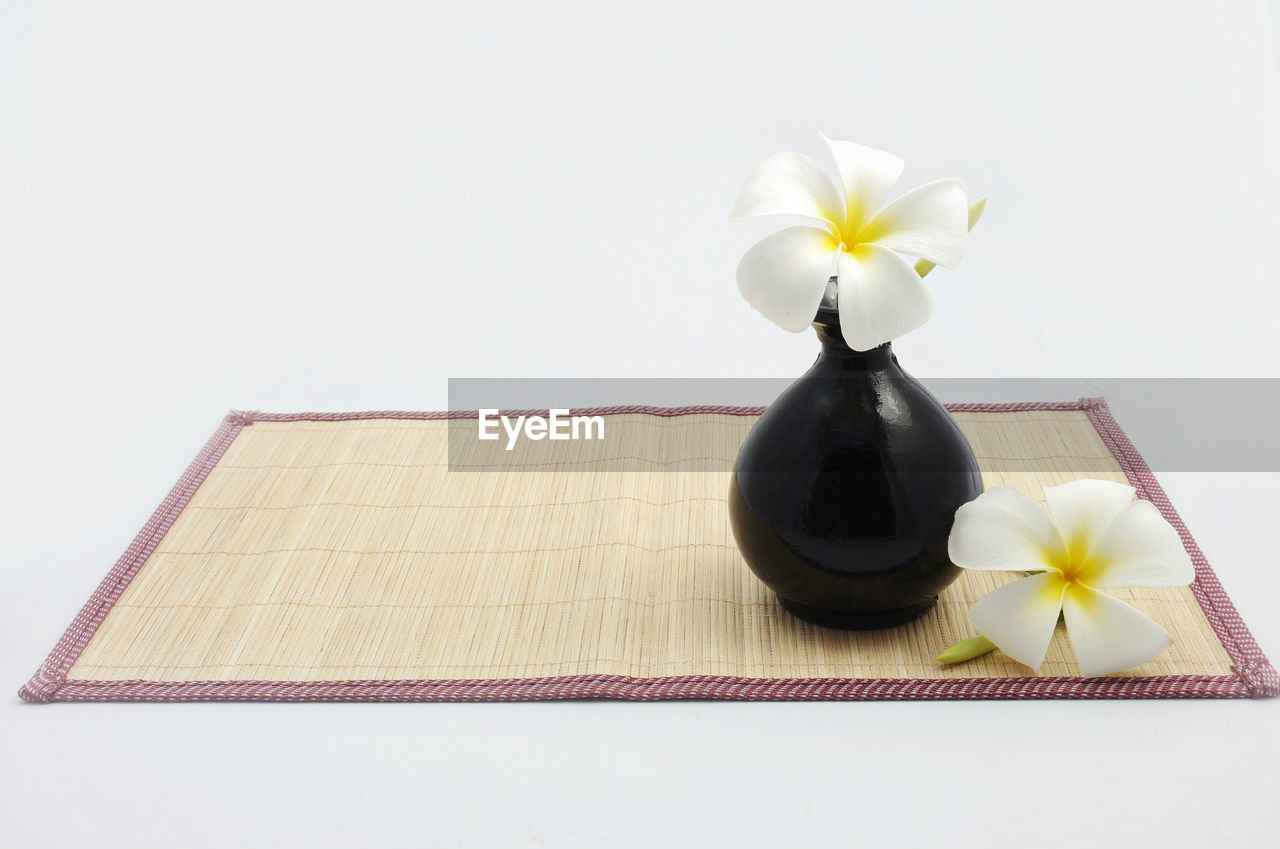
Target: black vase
845,490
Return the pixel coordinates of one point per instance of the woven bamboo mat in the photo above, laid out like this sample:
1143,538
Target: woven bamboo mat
340,557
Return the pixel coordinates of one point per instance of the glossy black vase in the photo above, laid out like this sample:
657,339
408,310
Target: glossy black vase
845,490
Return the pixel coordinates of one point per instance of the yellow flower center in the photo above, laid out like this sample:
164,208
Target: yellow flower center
1072,571
1075,563
843,236
850,227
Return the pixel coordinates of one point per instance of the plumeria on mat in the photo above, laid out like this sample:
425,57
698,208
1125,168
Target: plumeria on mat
1100,538
880,295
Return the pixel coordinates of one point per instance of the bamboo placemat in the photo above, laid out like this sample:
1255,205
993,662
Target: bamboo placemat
340,557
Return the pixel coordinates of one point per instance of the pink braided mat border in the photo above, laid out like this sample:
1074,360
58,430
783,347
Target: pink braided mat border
1254,675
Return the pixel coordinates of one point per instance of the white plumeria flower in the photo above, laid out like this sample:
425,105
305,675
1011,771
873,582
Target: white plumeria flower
880,296
1100,538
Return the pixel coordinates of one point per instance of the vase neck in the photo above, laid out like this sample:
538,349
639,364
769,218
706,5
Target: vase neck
827,325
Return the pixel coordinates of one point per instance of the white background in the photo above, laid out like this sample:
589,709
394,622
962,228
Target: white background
339,205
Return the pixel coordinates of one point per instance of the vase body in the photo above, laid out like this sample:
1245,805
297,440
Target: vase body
845,490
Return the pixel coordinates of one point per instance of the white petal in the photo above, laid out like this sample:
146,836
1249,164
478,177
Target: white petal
1020,617
1108,635
785,275
789,184
930,222
1003,530
866,175
880,297
1083,509
1139,549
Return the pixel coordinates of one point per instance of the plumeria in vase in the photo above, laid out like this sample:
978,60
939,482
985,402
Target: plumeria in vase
857,238
844,491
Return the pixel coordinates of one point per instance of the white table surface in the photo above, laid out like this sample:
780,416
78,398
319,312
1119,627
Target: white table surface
339,205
